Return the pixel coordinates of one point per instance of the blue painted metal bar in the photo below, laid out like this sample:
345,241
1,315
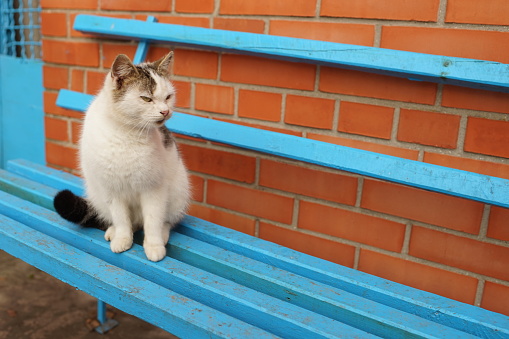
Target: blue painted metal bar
460,316
441,69
101,311
129,292
105,323
249,306
143,45
483,188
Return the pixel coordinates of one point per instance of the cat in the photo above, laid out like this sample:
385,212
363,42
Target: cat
134,175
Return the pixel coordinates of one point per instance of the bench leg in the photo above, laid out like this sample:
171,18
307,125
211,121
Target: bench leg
105,323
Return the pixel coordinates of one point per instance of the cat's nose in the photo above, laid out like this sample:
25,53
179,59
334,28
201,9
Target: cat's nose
165,113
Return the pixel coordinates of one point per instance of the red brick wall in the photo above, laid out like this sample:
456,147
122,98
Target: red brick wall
446,245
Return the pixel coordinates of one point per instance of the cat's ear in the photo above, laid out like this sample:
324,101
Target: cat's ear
163,65
122,67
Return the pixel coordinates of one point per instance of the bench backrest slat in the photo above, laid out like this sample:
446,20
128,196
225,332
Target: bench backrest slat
431,177
434,68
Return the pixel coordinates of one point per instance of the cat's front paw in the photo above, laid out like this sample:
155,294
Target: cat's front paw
110,233
154,252
121,244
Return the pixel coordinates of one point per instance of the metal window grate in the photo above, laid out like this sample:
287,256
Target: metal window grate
20,28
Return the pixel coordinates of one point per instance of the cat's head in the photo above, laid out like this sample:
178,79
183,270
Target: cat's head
142,93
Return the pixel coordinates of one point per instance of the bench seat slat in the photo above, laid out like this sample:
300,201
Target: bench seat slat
122,289
260,310
29,190
454,314
320,298
474,186
441,69
429,306
47,176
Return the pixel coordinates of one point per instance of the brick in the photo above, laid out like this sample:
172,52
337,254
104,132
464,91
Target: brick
269,7
76,131
212,98
55,77
156,53
194,6
250,201
78,80
487,137
260,105
198,64
464,253
496,298
241,25
56,129
497,227
70,53
181,20
61,155
342,81
219,163
463,43
344,224
223,218
475,99
492,12
69,4
420,205
134,5
110,52
429,128
370,120
467,164
50,107
448,284
355,34
95,81
183,94
322,248
54,24
367,146
413,10
328,186
260,71
309,112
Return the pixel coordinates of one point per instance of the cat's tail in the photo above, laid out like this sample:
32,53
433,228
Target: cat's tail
75,209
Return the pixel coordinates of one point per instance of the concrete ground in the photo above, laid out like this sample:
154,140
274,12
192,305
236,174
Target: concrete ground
35,305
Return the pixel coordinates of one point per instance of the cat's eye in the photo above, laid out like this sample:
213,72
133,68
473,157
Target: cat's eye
168,97
146,99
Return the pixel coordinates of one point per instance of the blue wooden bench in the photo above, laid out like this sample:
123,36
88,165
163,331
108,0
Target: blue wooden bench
216,282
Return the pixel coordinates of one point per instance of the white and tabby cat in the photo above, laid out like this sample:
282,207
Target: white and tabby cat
133,173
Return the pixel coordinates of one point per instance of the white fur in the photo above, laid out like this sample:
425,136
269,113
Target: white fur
131,179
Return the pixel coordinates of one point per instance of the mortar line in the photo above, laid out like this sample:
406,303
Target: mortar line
442,10
479,292
484,222
356,257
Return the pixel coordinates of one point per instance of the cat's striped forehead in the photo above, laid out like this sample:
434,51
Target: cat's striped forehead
144,78
147,78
